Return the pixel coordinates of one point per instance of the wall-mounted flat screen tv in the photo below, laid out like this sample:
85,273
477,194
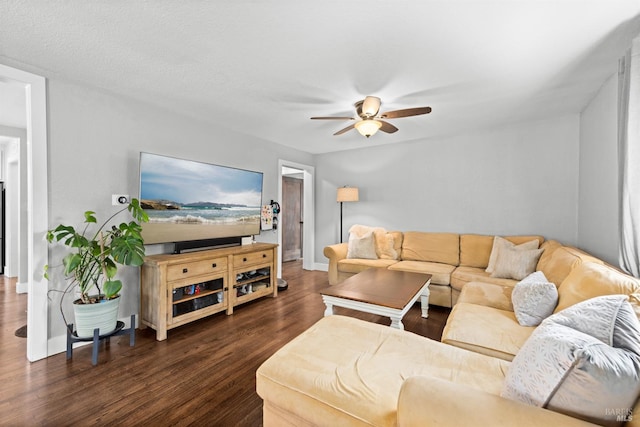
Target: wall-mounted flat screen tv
189,200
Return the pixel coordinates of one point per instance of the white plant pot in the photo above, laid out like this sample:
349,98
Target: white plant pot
103,315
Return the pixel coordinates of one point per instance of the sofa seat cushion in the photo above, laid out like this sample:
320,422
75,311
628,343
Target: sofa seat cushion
440,295
440,273
350,371
485,330
463,275
357,265
488,294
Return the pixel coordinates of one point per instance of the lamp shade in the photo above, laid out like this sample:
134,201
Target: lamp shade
368,127
347,194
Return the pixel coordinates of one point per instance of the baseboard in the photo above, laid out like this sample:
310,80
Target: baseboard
321,266
58,344
22,288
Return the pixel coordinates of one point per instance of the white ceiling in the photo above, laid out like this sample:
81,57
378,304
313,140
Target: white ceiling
264,67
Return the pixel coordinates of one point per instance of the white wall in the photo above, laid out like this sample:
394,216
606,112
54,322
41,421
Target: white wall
94,143
598,192
518,179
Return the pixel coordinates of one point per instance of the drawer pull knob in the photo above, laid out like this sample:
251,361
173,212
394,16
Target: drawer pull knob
185,270
264,255
244,259
214,265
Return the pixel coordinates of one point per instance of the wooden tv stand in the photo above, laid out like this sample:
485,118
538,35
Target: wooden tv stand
176,289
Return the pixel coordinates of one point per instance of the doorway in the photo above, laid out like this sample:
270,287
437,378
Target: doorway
292,214
305,217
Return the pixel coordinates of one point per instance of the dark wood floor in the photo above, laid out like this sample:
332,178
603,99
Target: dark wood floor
203,374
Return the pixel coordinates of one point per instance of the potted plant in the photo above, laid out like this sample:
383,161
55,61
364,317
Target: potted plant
92,263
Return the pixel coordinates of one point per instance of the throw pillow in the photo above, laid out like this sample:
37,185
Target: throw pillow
384,244
361,247
583,362
383,240
534,298
513,263
500,242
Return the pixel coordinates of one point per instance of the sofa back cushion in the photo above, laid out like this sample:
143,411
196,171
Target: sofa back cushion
475,249
431,247
557,261
589,280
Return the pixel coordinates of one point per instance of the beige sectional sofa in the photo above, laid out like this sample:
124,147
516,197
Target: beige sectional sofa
452,259
344,371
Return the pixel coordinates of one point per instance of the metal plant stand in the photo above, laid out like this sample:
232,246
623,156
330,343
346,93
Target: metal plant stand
72,337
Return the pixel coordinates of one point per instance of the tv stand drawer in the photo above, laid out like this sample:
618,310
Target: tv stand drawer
197,268
243,260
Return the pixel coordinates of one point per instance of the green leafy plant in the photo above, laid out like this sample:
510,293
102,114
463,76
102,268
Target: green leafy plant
92,262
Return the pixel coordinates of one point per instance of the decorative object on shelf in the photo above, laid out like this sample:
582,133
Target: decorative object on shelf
346,194
92,264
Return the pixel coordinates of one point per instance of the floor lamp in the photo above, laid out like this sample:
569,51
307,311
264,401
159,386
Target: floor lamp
346,194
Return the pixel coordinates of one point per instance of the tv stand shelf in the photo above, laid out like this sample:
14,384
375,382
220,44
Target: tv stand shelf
176,289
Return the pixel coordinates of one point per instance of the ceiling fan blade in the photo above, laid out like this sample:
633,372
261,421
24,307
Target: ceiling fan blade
406,112
387,127
332,118
347,129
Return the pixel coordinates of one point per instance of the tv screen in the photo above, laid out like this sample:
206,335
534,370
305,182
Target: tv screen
188,200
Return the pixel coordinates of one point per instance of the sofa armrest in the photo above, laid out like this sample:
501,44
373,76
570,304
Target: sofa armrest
487,294
426,401
335,253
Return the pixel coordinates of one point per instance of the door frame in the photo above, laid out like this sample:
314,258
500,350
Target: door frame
37,201
308,214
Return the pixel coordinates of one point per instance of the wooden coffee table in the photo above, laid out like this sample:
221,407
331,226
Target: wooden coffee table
389,293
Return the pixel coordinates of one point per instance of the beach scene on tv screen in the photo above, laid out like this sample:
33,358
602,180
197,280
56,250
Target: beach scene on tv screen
190,200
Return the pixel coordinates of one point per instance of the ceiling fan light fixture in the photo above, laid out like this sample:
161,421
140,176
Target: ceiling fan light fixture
368,127
370,106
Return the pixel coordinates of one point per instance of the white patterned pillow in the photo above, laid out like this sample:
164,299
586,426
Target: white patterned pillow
583,361
363,247
534,298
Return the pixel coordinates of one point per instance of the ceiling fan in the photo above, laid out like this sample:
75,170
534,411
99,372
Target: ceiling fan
368,111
